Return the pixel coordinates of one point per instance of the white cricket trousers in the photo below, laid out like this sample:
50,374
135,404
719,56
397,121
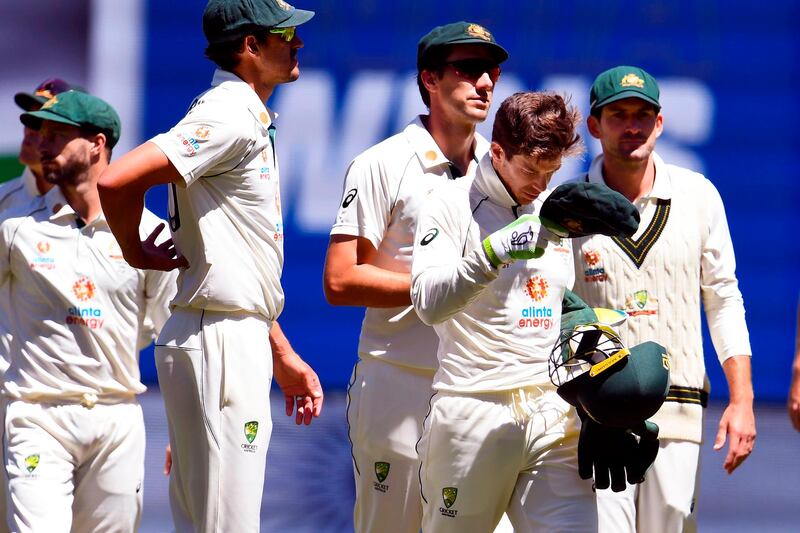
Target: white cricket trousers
74,469
513,451
386,404
663,502
214,370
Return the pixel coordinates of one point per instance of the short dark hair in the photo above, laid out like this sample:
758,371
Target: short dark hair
539,124
434,62
226,55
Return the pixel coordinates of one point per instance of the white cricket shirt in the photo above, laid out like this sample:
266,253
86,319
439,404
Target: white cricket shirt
227,220
78,308
14,193
384,190
496,327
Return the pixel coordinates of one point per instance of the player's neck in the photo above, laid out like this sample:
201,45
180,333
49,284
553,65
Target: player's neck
632,180
83,197
455,140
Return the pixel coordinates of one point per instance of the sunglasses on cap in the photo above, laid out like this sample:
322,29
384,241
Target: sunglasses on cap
473,69
286,33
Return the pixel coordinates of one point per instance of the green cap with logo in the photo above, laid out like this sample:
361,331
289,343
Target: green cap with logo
584,208
80,109
457,33
623,82
228,20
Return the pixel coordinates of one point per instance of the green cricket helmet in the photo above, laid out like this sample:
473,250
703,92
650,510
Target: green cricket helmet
614,385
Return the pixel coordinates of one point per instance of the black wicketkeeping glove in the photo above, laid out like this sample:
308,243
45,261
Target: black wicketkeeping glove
614,455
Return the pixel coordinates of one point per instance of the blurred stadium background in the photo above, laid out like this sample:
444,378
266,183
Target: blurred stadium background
729,78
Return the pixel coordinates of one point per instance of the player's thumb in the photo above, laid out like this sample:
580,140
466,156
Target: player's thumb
722,433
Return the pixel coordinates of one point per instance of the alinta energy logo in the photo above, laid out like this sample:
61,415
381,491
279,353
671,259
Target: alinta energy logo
90,317
189,143
381,473
43,260
533,316
594,271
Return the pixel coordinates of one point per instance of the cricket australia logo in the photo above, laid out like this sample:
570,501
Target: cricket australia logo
31,462
449,495
250,432
632,80
381,472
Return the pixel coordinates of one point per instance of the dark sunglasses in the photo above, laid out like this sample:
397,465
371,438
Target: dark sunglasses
473,69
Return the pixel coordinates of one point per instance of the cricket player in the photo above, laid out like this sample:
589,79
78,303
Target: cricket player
74,432
680,257
23,189
221,346
490,278
369,264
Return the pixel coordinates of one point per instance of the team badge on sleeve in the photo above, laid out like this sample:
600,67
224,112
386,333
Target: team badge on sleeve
31,462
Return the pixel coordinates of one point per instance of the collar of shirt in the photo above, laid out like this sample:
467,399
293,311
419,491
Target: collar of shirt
59,209
233,83
662,187
429,153
488,182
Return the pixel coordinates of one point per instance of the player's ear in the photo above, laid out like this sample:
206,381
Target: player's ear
98,144
429,79
593,125
251,44
497,153
659,125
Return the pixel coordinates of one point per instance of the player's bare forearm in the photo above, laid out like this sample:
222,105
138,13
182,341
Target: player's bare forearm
738,423
351,278
122,187
298,381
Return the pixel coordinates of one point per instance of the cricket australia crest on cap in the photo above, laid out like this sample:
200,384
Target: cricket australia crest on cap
476,30
284,5
50,103
632,80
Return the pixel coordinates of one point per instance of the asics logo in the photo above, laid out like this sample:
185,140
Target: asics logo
351,195
429,237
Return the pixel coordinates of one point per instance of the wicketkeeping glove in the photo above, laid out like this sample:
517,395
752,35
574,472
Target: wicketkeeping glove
525,238
615,455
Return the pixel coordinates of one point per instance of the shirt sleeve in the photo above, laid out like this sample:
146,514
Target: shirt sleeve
211,139
366,204
722,299
444,280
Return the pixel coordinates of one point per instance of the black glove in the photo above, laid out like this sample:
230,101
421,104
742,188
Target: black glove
615,455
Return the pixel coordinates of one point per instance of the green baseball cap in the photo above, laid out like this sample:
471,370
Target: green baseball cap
623,82
457,33
80,109
584,208
228,20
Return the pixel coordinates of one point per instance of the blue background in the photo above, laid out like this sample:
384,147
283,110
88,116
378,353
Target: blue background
744,52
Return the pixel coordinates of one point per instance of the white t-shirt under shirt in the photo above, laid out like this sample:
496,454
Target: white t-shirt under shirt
226,219
496,326
384,190
79,310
